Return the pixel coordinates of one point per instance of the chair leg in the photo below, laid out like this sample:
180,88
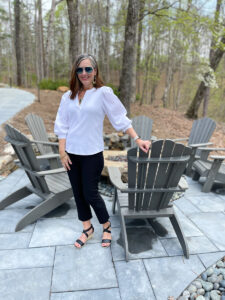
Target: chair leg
195,176
188,170
114,200
14,197
42,209
124,236
212,175
180,234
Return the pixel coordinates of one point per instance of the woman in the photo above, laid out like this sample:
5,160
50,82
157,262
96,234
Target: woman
79,126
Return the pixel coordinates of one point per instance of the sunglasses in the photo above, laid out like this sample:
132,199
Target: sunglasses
87,70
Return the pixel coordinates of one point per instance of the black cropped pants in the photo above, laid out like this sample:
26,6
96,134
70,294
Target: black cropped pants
84,175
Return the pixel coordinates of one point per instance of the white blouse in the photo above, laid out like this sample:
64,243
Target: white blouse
82,124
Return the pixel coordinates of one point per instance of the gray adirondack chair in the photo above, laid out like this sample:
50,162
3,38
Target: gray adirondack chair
209,172
143,126
40,137
152,180
52,186
200,135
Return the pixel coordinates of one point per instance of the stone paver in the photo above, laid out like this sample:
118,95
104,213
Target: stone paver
10,217
196,244
25,284
15,240
213,226
12,101
207,203
210,258
133,280
89,268
40,261
169,276
109,294
156,250
27,258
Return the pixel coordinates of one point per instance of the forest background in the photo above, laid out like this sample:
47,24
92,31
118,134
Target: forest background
165,52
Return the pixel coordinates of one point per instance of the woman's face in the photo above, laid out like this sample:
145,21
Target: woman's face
86,78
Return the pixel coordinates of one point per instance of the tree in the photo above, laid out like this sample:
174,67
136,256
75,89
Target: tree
49,37
126,79
17,42
73,12
215,56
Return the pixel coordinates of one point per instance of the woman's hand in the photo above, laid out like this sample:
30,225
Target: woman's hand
65,160
143,145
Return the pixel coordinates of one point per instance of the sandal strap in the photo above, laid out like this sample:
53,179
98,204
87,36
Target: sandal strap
105,241
86,230
107,228
80,242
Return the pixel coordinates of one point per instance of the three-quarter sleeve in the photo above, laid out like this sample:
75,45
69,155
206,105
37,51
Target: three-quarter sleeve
61,126
115,110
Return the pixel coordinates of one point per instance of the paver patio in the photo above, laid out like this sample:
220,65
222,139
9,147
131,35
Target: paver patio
40,262
9,106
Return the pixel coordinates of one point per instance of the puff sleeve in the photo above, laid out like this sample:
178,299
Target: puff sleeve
61,126
115,110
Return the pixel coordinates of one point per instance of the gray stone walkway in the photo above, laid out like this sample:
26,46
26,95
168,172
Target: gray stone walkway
12,101
40,262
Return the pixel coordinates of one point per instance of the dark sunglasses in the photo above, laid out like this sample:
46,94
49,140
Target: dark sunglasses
87,70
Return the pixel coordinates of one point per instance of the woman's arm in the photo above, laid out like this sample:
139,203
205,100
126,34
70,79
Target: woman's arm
144,145
62,147
63,155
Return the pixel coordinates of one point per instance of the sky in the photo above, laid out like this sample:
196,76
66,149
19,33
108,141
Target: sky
208,6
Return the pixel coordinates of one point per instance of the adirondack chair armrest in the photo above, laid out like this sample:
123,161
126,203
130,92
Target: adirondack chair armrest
180,140
48,156
45,143
115,178
211,149
51,172
153,138
200,145
219,157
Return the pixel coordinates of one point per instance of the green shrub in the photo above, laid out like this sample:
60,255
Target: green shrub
115,89
138,97
49,84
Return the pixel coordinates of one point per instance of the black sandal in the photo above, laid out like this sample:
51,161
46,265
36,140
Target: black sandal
106,241
88,237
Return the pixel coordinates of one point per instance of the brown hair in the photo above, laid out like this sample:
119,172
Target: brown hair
75,84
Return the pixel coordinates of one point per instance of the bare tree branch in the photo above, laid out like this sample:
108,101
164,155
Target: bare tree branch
155,11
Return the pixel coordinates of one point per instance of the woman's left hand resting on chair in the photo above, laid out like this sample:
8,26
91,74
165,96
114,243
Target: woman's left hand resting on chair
143,145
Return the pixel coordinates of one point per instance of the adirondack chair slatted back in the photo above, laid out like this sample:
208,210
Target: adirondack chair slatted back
24,151
201,131
143,127
37,128
164,174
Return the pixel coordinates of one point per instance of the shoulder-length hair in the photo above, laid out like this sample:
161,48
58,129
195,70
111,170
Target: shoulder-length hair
75,84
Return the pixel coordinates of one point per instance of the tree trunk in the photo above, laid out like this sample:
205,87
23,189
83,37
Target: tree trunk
107,43
49,37
140,30
180,82
206,102
12,66
86,27
73,12
127,73
17,42
39,41
215,57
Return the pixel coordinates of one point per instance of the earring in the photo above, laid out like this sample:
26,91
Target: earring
94,81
